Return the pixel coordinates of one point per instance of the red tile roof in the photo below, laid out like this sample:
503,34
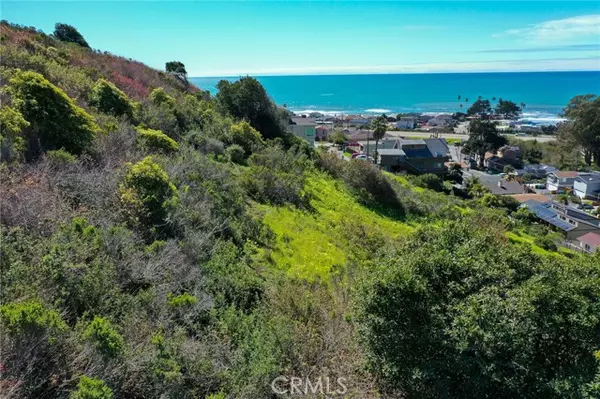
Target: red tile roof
591,239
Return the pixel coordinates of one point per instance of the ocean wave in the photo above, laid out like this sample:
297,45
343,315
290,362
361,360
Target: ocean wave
328,113
378,110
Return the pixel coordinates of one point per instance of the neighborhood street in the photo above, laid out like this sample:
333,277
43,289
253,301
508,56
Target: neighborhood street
412,133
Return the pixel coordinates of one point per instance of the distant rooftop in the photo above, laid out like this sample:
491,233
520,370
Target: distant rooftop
298,120
591,239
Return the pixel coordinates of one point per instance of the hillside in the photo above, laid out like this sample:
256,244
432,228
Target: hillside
157,242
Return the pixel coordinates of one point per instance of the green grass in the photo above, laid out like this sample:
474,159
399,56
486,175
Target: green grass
310,244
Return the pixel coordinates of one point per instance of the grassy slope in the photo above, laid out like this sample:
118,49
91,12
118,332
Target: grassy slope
310,243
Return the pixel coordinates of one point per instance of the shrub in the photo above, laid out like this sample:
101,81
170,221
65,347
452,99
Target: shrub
245,136
58,158
370,183
105,337
91,388
235,153
109,99
546,243
276,176
12,125
29,319
147,193
159,97
156,140
183,300
458,312
430,181
68,33
56,122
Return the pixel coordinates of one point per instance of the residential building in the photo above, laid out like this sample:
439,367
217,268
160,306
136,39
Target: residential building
505,187
587,186
572,222
536,170
589,242
416,156
322,132
561,180
368,147
406,122
303,128
441,120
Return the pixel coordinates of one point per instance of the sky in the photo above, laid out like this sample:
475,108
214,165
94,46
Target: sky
228,38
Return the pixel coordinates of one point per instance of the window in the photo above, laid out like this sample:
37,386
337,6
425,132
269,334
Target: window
587,247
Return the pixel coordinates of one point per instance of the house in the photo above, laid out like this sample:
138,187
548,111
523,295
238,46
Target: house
536,170
417,156
531,197
589,242
505,187
587,185
406,122
322,132
368,147
504,156
561,181
572,222
441,120
303,128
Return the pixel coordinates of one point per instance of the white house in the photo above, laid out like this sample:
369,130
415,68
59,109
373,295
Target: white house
587,185
441,120
406,122
559,181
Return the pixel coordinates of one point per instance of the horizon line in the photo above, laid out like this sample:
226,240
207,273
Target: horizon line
388,73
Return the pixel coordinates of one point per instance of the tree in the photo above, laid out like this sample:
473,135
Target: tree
483,137
56,121
458,312
177,69
509,169
68,33
507,109
247,99
12,125
338,138
583,129
480,107
379,126
109,99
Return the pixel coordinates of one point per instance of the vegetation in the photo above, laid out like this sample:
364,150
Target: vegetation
483,137
582,132
187,246
68,33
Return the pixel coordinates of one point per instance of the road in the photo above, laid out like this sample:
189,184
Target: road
409,133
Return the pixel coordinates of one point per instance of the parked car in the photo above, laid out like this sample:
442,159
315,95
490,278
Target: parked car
364,157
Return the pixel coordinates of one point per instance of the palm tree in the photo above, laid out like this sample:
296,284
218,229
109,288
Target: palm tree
379,126
459,105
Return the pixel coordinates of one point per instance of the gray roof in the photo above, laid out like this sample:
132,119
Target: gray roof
508,187
390,151
591,178
298,120
438,146
412,142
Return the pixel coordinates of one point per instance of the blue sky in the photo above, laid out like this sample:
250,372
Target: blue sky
273,38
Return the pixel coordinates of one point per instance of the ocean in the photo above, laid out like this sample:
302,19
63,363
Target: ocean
543,93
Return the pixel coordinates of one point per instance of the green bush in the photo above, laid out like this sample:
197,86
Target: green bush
458,312
545,242
105,337
245,136
183,300
156,140
107,98
430,181
56,121
12,143
159,97
148,194
235,153
91,388
58,158
32,319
